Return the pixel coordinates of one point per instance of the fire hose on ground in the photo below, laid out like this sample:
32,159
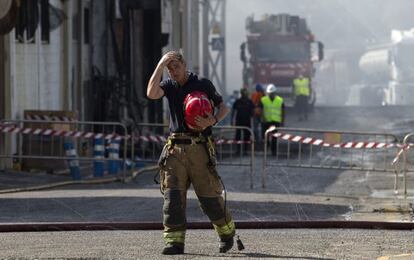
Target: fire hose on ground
73,182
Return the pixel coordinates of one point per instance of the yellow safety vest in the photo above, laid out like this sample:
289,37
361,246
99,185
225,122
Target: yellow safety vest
272,110
301,87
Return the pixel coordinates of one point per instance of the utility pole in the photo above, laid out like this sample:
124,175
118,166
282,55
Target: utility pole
195,39
176,29
214,43
191,35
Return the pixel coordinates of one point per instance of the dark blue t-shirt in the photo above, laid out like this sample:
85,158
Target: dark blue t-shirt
244,111
176,94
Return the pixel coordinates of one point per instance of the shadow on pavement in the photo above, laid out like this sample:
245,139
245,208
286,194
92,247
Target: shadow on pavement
141,209
256,255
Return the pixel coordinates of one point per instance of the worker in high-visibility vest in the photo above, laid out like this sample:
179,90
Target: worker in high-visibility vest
273,112
302,92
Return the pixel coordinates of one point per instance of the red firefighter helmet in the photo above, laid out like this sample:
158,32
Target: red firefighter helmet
196,104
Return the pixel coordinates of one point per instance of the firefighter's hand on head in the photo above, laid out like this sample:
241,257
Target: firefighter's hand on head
204,122
167,58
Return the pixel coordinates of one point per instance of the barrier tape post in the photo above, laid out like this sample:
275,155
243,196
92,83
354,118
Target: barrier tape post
404,163
99,154
113,165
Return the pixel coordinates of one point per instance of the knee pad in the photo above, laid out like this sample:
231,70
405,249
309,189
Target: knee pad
212,207
174,212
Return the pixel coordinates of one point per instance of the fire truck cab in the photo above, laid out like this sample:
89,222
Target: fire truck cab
280,47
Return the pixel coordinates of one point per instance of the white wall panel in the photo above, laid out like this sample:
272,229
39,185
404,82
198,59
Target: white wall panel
38,72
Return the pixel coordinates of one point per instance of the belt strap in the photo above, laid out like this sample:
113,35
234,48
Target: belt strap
186,135
187,139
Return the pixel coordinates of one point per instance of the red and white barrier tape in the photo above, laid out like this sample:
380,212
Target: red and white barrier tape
50,132
151,138
11,128
346,145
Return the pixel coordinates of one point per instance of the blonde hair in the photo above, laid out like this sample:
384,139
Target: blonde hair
177,55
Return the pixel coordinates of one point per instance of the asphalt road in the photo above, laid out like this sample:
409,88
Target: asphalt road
392,119
202,244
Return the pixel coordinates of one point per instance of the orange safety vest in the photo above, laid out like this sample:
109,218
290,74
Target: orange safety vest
256,97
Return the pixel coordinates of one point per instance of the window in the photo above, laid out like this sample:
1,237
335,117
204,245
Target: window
286,51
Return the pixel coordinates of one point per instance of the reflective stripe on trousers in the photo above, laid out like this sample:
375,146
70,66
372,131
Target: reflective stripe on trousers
227,230
174,237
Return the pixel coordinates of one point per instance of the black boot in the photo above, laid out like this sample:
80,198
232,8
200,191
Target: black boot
225,244
173,249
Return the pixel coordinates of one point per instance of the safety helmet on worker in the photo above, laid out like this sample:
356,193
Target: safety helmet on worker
259,87
271,88
196,104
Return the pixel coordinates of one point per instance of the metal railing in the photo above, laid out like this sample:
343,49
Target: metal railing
402,163
225,145
329,149
43,141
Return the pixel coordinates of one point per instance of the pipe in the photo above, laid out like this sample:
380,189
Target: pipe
59,184
93,181
93,226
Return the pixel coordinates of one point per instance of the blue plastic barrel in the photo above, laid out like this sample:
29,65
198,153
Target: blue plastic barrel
73,162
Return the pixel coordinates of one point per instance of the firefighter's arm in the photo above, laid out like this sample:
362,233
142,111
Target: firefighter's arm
283,115
154,91
204,122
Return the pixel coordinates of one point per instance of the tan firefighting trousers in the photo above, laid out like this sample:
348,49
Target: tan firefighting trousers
186,164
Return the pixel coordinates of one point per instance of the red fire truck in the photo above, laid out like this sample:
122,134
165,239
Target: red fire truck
280,47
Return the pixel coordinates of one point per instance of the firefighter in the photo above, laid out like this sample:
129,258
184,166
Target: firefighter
273,112
302,91
189,155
